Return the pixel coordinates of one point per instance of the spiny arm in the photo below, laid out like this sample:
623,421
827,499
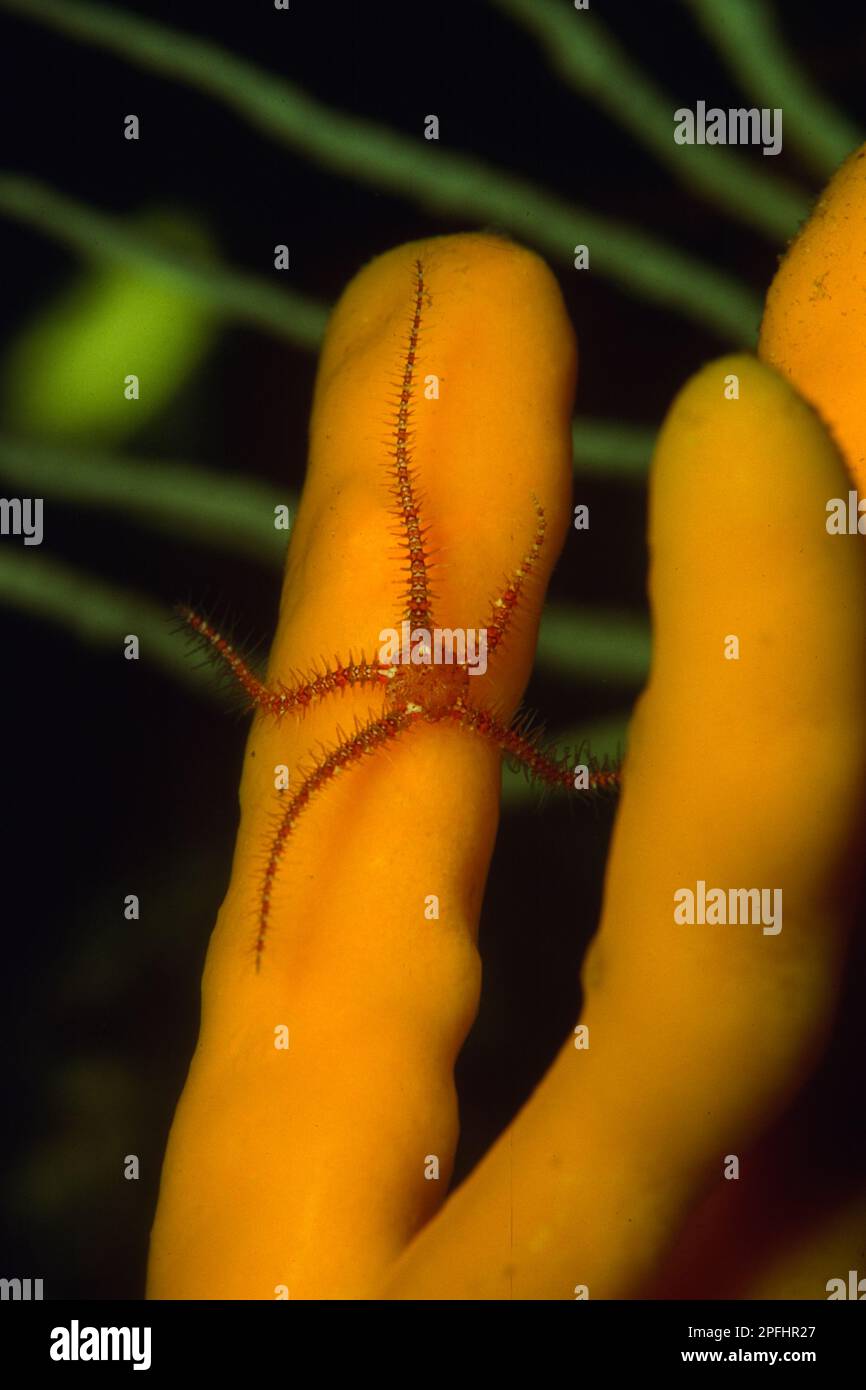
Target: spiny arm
417,596
282,698
504,606
510,739
348,751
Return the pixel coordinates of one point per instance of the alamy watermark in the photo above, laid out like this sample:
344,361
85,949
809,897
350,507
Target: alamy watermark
854,1287
77,1343
736,126
723,906
21,1290
846,516
22,516
418,646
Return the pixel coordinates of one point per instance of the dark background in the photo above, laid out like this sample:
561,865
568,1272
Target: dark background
116,779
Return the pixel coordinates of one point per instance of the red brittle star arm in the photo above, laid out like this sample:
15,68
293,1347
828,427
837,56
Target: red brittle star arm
303,690
542,767
505,605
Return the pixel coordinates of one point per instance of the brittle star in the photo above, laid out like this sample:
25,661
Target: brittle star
413,693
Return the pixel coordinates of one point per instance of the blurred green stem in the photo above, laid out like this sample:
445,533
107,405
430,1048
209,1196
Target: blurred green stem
611,450
593,645
746,34
446,183
177,498
600,446
100,236
99,615
592,62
